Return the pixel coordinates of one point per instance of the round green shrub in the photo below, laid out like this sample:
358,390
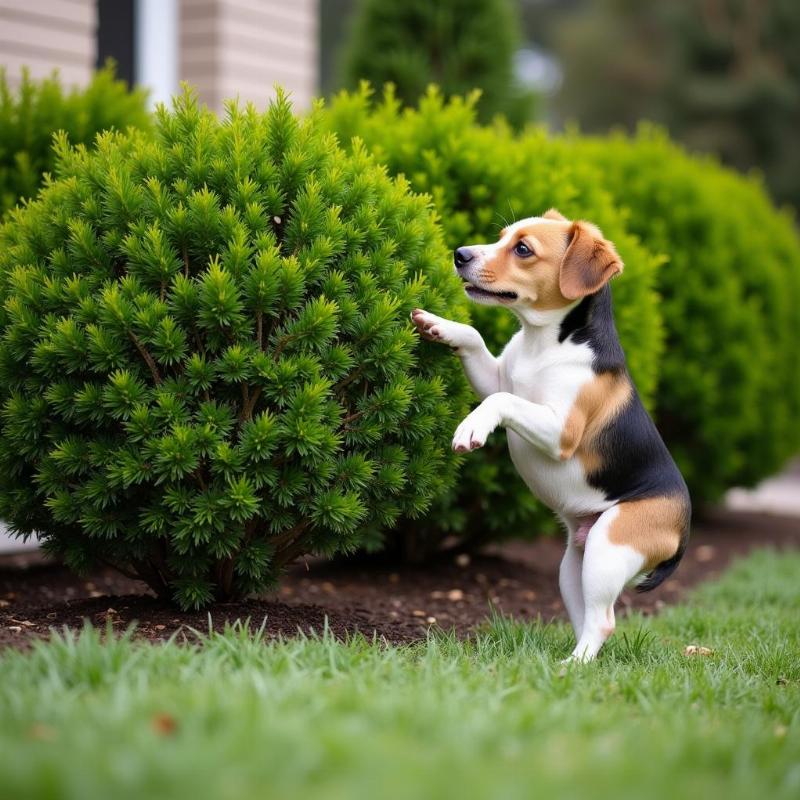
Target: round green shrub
207,365
480,178
728,402
34,110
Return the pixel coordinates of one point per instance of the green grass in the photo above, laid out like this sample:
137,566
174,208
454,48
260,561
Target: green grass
314,718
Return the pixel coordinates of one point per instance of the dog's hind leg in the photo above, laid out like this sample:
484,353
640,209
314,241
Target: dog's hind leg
569,582
607,568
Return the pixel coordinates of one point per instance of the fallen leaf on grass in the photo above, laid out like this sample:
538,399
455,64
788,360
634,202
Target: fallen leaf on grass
697,650
164,724
41,732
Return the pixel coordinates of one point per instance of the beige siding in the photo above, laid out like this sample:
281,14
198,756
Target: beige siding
242,48
48,34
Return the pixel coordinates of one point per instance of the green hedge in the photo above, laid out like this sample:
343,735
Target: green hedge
207,365
729,396
728,390
480,178
32,112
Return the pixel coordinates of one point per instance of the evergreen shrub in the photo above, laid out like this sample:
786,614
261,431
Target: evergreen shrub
728,400
32,112
207,365
459,45
481,178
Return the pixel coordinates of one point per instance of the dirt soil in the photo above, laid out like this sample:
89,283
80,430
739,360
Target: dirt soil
398,604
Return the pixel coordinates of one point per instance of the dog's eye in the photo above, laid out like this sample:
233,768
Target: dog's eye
522,250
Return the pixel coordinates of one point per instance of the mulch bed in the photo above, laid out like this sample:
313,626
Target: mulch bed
398,604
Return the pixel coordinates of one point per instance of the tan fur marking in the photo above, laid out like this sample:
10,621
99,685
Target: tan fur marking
535,279
554,213
597,404
589,263
571,260
653,527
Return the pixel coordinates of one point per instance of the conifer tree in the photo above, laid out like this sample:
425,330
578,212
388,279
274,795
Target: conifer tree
459,45
207,366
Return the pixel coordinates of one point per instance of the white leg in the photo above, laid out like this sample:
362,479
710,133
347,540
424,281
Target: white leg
537,424
569,581
480,366
607,568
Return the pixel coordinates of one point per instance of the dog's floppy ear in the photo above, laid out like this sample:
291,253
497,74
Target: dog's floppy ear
589,263
554,213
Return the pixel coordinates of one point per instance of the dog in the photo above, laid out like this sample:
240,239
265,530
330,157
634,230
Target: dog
577,431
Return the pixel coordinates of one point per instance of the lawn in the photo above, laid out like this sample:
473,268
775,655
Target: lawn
237,717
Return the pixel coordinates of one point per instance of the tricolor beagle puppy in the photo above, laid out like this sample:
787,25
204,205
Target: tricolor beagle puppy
577,431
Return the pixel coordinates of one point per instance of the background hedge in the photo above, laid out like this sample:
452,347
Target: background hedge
32,112
480,178
728,400
207,365
728,392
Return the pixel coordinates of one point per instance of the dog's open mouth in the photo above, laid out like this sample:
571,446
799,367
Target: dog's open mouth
477,293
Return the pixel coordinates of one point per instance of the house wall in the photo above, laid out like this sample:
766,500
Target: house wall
48,34
226,47
241,48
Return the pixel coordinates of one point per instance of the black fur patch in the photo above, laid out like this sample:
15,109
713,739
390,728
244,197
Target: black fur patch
636,462
592,321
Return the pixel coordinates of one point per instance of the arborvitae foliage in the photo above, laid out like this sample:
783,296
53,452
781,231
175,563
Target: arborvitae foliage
34,110
460,45
480,179
729,396
207,365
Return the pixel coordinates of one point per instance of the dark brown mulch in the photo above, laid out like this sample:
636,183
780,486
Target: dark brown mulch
396,603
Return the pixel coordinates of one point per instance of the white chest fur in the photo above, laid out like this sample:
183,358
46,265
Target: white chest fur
544,371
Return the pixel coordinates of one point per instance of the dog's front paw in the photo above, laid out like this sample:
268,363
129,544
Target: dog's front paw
439,329
473,432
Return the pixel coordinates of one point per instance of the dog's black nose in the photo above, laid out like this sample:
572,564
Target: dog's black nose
462,256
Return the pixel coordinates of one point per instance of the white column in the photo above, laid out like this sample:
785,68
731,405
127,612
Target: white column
156,48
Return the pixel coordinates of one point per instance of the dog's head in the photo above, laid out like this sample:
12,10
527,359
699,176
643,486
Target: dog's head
539,264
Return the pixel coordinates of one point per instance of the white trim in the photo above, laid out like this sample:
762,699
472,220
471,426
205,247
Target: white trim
156,48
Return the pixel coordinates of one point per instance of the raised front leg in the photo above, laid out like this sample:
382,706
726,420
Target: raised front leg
480,366
535,423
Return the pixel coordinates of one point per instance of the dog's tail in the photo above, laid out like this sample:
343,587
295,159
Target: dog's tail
663,570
